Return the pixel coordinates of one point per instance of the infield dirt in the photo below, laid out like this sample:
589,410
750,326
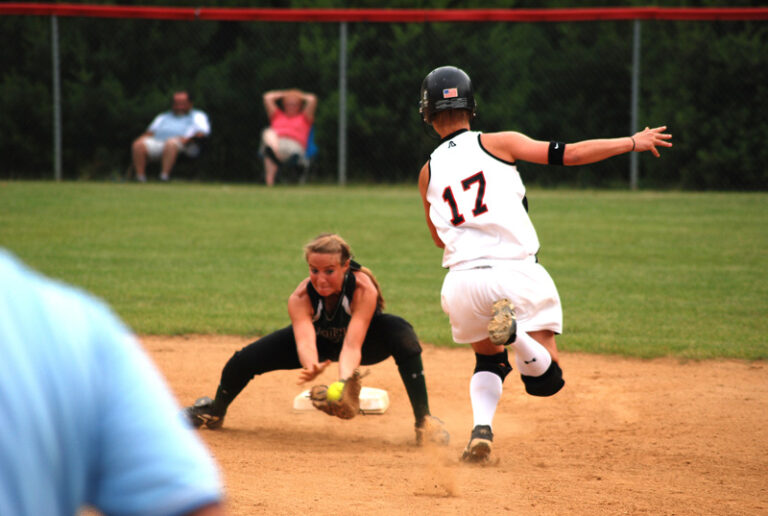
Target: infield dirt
624,436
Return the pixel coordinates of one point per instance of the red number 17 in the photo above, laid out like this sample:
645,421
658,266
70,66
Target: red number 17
480,206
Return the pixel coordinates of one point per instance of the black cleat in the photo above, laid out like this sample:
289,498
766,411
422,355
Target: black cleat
202,413
502,329
479,447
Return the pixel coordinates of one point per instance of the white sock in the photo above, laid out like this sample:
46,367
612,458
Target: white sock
531,358
485,392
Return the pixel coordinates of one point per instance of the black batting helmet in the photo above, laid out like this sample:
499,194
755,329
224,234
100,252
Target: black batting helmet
445,88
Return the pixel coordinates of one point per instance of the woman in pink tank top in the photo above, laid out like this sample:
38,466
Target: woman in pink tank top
291,114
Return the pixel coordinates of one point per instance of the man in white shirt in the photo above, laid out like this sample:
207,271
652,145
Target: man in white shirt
169,134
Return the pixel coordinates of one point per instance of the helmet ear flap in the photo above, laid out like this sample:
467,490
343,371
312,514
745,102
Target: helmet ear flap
424,108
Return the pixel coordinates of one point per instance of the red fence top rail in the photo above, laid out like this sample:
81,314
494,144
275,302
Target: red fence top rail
385,15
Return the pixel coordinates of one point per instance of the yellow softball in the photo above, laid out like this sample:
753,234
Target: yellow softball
334,391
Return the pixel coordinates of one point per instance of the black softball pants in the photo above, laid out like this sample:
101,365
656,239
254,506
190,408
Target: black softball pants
388,335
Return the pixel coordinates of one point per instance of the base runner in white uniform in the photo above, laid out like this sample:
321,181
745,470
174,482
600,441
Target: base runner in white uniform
496,293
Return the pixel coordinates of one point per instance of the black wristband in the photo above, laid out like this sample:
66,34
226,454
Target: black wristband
555,155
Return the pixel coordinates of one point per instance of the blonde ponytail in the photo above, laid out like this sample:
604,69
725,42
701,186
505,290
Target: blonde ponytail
379,297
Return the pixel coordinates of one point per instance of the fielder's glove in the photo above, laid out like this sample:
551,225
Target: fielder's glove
348,404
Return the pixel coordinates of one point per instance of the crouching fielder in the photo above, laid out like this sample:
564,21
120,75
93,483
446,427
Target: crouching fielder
336,315
496,293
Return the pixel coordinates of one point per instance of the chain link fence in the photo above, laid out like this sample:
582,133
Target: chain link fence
568,81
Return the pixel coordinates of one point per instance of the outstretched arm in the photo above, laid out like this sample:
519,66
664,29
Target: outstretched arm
363,306
590,151
513,146
300,311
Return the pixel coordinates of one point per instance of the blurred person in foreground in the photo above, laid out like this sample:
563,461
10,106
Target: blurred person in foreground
170,133
496,293
87,419
291,114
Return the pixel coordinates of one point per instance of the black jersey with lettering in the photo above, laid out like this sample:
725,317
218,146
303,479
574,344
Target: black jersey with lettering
331,321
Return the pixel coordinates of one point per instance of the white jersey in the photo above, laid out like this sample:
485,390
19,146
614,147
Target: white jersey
170,125
476,205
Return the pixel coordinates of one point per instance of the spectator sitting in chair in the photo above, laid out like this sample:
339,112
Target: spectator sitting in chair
289,128
169,134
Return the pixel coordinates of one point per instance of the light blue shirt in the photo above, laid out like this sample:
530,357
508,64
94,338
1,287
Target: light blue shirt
169,125
86,417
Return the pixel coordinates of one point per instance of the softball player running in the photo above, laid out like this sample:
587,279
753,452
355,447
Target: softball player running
336,315
496,293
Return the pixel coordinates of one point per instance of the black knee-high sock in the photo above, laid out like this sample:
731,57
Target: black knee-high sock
223,398
412,372
233,380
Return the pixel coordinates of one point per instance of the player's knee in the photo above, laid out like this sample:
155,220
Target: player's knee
240,368
497,364
403,337
234,365
547,384
172,145
409,344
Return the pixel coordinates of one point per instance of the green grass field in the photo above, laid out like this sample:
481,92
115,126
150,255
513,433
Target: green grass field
641,274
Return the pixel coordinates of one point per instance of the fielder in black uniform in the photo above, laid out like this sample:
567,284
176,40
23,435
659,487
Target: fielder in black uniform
336,315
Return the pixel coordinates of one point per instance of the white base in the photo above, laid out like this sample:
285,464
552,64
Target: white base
372,401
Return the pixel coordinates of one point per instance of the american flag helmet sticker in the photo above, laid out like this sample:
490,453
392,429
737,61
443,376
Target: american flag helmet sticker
449,93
